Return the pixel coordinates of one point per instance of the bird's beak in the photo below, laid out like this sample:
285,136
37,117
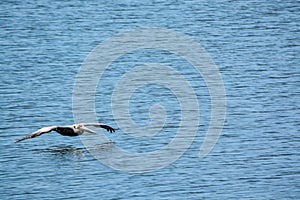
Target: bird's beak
87,129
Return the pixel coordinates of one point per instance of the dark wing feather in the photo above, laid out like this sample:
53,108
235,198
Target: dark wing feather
37,133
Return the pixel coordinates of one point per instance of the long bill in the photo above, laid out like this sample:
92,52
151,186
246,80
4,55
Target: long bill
87,129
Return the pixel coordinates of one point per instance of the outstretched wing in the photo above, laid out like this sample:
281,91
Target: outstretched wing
108,128
38,133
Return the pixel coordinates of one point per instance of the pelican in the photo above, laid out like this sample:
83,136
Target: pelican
71,130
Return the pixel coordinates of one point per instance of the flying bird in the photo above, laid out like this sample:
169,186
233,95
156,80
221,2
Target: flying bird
72,130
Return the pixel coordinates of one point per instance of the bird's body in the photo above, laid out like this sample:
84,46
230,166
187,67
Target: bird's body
72,130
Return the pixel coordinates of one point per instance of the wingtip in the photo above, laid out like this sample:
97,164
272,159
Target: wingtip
19,140
113,130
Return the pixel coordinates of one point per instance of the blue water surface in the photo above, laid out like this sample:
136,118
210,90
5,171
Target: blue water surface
254,44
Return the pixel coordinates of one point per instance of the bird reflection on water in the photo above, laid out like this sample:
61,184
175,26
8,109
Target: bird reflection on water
71,152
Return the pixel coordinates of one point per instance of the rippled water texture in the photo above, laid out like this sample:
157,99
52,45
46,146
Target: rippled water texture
254,44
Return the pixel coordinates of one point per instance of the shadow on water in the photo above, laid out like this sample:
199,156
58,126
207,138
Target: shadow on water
70,152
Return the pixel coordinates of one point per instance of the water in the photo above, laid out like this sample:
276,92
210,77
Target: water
255,45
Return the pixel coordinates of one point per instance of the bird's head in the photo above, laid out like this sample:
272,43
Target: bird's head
82,127
77,126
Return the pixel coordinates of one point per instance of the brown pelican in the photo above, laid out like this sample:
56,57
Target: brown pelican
72,130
